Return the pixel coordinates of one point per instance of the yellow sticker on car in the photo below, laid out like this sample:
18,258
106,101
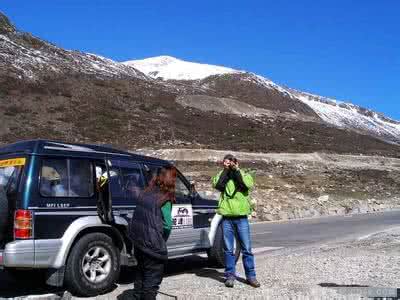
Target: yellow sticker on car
13,162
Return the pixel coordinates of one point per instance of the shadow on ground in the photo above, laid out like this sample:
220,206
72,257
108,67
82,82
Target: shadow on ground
34,283
196,265
334,285
30,283
193,264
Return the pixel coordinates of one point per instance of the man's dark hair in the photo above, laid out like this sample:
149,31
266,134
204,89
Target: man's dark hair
230,157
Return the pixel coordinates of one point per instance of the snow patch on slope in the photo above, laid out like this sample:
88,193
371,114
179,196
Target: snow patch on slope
346,115
168,67
31,62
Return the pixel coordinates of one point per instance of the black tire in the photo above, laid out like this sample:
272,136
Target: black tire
4,215
76,279
216,252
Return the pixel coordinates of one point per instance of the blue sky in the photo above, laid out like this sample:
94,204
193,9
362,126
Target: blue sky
348,50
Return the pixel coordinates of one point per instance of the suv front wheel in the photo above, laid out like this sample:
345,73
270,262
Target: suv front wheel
93,265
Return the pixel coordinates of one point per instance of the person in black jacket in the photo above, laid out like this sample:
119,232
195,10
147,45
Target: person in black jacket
149,231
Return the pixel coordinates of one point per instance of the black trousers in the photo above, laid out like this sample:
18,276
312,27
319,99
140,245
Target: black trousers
148,276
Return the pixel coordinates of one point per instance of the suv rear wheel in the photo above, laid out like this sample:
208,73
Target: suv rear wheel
93,265
216,252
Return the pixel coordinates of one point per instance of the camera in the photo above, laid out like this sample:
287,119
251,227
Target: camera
233,162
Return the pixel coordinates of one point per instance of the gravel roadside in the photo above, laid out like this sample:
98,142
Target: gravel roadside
340,270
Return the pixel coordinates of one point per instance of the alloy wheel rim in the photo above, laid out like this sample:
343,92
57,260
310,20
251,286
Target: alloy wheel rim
96,264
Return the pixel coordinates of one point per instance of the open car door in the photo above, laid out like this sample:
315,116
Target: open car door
106,179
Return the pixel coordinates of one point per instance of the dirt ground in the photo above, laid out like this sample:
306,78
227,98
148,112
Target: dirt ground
351,269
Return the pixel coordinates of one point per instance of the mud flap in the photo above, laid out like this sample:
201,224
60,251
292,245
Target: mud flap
55,277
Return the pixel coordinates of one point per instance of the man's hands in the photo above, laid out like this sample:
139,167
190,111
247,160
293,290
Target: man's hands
229,164
234,165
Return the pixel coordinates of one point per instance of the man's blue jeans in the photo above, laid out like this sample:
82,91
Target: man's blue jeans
237,226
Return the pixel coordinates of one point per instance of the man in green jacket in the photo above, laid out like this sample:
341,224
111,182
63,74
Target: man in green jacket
234,206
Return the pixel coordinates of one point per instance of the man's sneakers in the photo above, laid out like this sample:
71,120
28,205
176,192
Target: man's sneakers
253,282
230,282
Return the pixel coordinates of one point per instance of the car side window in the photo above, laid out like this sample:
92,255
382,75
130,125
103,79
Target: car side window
132,182
115,183
149,173
80,178
66,178
182,190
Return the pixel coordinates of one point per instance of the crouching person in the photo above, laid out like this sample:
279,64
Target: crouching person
149,230
234,206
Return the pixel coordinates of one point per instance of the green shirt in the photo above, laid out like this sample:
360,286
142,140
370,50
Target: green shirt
166,210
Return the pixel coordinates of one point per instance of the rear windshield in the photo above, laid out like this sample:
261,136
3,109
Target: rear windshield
9,174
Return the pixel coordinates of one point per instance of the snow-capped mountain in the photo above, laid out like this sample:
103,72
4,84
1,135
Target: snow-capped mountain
168,67
336,113
50,92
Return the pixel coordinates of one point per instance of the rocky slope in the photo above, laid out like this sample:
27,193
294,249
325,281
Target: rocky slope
347,115
239,83
29,58
290,186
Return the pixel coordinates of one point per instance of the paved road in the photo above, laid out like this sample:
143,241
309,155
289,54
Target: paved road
319,230
289,234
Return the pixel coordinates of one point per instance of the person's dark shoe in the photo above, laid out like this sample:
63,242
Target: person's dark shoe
253,282
230,282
